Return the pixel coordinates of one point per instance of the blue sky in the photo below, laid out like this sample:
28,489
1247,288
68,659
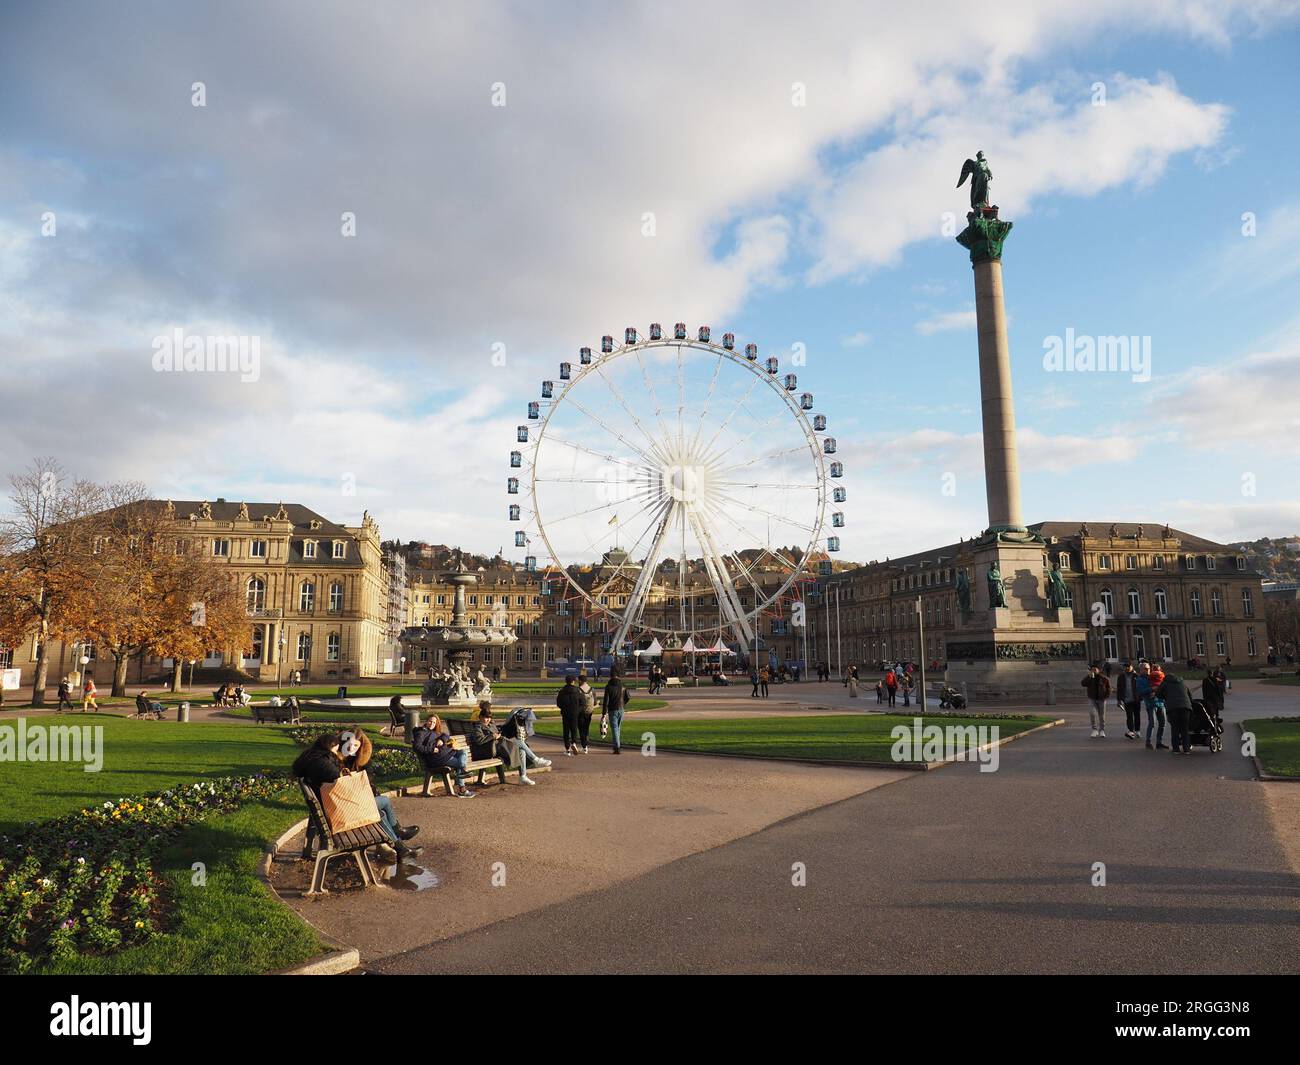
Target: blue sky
522,226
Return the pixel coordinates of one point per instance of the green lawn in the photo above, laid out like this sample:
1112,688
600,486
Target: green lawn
836,738
1285,678
139,757
230,923
1277,745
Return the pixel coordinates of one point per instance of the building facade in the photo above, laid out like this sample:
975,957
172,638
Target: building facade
316,594
1140,590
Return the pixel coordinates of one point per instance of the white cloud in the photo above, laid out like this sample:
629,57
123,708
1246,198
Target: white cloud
860,339
945,322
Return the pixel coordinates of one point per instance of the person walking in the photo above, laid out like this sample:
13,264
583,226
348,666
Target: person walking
569,700
764,676
612,704
908,684
1178,704
1212,693
1126,698
1098,689
89,693
852,682
753,679
891,686
65,696
880,692
586,707
1154,708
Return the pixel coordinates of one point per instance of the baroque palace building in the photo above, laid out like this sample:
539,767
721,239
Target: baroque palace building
317,595
555,623
1140,590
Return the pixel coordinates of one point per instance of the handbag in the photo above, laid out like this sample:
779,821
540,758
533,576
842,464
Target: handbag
349,802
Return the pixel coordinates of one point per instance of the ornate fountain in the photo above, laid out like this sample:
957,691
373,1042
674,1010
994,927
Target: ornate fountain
453,684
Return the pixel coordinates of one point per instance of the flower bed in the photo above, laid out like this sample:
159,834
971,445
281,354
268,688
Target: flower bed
85,883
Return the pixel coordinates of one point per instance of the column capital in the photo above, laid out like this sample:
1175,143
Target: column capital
984,235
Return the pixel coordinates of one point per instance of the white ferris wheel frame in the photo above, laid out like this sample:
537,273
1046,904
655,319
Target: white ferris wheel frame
731,612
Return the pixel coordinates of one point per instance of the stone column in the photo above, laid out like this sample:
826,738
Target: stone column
984,236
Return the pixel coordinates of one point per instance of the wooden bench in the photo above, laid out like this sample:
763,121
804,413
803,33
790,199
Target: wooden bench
355,841
673,682
280,715
448,773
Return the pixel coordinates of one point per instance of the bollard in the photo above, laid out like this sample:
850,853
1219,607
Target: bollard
183,712
1051,693
412,720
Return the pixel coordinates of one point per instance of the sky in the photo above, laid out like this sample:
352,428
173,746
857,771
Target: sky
418,211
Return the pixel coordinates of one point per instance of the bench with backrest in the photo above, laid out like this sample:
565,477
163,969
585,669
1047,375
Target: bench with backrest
332,844
280,715
459,732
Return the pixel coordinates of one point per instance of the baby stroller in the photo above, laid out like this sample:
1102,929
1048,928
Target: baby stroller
1204,729
951,699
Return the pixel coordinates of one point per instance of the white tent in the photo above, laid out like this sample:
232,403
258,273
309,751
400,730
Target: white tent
689,646
718,648
655,648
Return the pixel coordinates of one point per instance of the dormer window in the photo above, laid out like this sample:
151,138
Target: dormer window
309,549
1189,561
1241,562
1210,562
340,549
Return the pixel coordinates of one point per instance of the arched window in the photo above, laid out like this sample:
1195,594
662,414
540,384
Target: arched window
1247,603
1109,644
1220,645
332,644
307,597
1063,560
1216,603
1134,602
1200,644
256,594
1162,603
1139,644
304,646
1195,600
1108,602
1166,645
336,598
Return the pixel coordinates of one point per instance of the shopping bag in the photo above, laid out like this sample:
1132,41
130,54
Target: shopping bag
349,802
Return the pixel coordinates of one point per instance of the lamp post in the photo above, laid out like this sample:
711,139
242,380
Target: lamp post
85,663
279,658
401,669
920,627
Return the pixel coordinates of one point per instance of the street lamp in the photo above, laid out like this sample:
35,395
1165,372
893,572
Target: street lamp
402,667
279,658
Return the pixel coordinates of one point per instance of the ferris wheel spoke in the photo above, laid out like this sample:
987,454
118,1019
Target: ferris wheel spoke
613,432
654,396
764,458
746,505
657,506
592,510
728,602
644,579
650,440
761,427
593,453
708,400
753,384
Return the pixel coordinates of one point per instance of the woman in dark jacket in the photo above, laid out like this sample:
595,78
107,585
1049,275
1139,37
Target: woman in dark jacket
433,745
612,703
570,704
320,763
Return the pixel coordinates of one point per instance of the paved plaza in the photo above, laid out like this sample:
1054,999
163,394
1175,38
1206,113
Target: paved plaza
684,863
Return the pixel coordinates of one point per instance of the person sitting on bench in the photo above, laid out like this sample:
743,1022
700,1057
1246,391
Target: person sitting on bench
323,763
488,741
433,745
356,749
145,707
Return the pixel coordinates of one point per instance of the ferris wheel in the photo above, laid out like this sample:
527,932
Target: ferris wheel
678,462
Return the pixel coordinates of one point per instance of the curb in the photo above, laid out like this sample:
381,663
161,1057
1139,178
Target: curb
340,958
1260,773
919,767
